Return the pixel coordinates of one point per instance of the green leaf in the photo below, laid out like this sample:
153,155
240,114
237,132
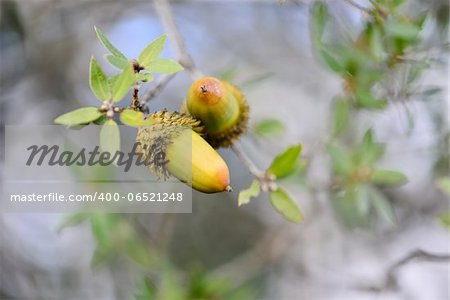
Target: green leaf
387,177
382,206
98,81
369,151
117,62
285,163
152,51
163,66
363,204
341,115
123,83
246,195
342,161
73,219
104,40
144,77
110,137
134,118
319,19
147,291
285,206
80,116
268,127
402,30
366,99
444,185
331,61
376,42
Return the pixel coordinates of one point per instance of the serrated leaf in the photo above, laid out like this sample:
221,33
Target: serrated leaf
110,137
283,204
123,83
152,51
285,163
341,115
98,81
134,118
144,77
104,40
163,66
117,62
79,116
387,177
268,127
382,206
246,195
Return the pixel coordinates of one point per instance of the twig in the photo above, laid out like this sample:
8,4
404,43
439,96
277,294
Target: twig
247,161
390,279
163,10
158,88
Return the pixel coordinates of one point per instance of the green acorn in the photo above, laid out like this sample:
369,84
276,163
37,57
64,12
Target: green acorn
172,143
221,107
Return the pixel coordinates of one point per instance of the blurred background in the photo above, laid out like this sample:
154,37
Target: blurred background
273,50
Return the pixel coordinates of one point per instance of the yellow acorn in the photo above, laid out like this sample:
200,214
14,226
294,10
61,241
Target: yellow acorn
221,107
173,147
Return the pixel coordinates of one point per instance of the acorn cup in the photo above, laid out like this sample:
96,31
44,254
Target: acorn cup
221,107
172,146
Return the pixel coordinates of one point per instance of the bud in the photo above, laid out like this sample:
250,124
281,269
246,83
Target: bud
221,107
172,143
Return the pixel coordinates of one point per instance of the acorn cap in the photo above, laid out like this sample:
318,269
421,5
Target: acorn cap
173,149
221,107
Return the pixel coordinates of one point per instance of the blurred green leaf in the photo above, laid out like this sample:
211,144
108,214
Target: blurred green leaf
283,204
285,163
144,77
163,66
246,195
319,20
110,137
363,202
268,127
134,118
369,150
152,51
331,61
366,99
98,81
73,219
342,161
444,219
341,115
376,42
123,83
146,291
382,206
402,29
444,185
117,62
387,177
104,40
79,116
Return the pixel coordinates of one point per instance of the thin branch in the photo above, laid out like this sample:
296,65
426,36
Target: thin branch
164,12
247,161
390,278
158,88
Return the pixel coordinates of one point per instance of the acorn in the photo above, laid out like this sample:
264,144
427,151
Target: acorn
173,146
221,107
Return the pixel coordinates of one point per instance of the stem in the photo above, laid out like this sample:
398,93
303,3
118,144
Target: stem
158,88
164,12
248,162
